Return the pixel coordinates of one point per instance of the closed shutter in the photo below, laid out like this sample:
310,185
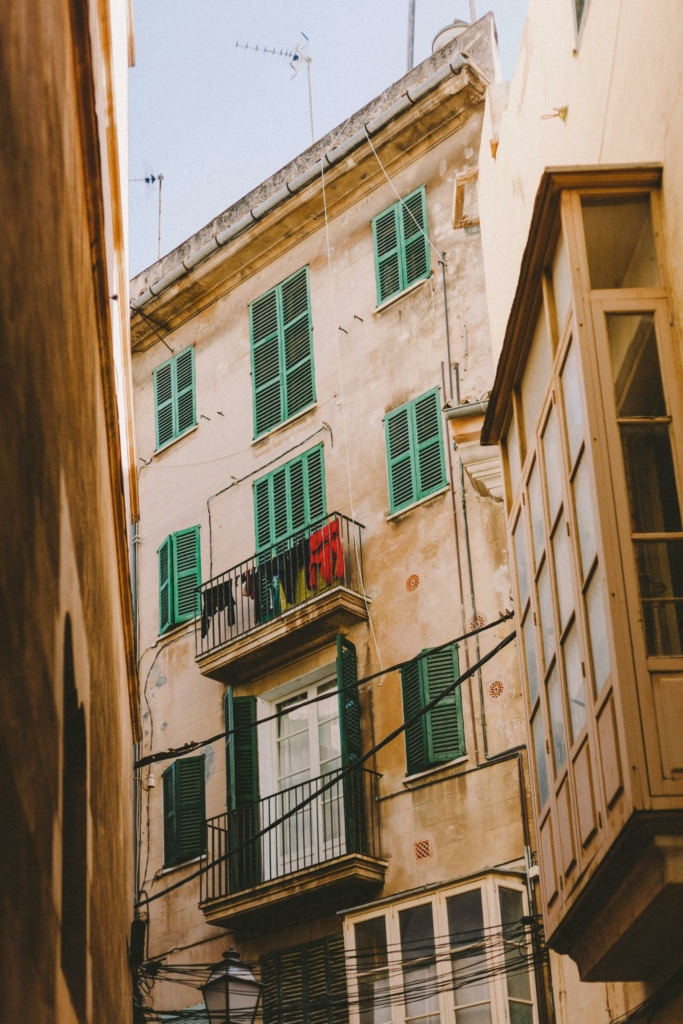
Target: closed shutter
163,402
431,469
417,756
402,487
315,486
168,786
262,503
190,808
445,735
183,366
296,343
187,571
306,984
282,352
415,244
385,231
350,736
289,499
165,554
242,775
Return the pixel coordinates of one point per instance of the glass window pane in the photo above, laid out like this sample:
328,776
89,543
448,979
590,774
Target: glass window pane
660,577
576,684
419,968
371,956
545,602
417,932
552,458
562,554
530,655
374,998
465,918
562,285
371,944
538,734
597,628
635,364
620,243
536,511
557,719
514,457
573,404
522,561
650,478
466,929
516,950
583,504
536,376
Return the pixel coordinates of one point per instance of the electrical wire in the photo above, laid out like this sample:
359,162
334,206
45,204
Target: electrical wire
165,755
336,779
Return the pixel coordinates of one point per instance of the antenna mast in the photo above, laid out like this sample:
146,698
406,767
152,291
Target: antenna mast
149,180
296,56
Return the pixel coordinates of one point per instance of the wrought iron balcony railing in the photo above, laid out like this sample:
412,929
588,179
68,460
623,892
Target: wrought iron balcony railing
291,573
342,820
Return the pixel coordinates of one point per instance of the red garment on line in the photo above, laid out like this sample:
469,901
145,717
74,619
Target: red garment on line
326,555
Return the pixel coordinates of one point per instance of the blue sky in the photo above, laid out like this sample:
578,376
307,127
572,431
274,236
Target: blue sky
217,120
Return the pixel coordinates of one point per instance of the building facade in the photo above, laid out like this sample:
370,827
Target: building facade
310,375
581,211
69,705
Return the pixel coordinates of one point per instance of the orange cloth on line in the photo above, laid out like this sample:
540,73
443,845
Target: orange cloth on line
326,556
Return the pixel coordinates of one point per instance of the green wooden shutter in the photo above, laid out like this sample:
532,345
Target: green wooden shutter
415,247
165,554
265,362
168,786
262,503
431,468
297,348
290,498
163,403
350,734
306,984
242,777
417,756
315,486
402,483
190,808
385,231
187,573
183,368
445,733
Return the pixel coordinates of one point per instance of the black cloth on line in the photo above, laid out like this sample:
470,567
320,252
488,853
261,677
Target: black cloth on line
217,599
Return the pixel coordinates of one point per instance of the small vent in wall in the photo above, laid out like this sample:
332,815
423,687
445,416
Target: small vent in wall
423,849
413,582
477,621
495,689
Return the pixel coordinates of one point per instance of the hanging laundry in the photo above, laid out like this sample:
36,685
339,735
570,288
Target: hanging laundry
217,599
326,556
289,566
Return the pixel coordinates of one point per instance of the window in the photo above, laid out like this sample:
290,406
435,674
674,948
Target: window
290,498
282,352
179,575
401,245
174,397
457,956
296,756
184,810
306,984
415,457
437,736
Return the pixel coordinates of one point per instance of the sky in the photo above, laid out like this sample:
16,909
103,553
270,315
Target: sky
216,120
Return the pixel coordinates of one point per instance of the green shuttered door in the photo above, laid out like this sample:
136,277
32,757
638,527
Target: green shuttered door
350,735
282,352
241,751
401,245
174,397
438,735
306,984
180,574
415,457
184,810
290,498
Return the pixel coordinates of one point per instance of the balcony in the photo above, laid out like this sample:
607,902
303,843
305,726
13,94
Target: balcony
325,857
289,597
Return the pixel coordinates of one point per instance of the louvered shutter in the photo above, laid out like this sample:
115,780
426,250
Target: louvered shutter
415,247
187,571
297,494
265,362
445,736
168,786
190,808
242,775
306,984
297,348
385,230
165,554
350,735
402,484
315,486
430,465
289,499
183,368
163,402
417,756
262,505
280,503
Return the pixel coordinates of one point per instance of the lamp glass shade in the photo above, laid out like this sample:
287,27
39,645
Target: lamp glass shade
243,993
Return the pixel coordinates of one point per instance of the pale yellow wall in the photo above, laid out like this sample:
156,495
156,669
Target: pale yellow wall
622,83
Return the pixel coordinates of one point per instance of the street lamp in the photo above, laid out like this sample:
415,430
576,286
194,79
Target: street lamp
232,993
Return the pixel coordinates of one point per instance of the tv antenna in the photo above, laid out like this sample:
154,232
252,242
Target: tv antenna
152,179
296,57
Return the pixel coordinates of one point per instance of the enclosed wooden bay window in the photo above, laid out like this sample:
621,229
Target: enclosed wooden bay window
587,409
